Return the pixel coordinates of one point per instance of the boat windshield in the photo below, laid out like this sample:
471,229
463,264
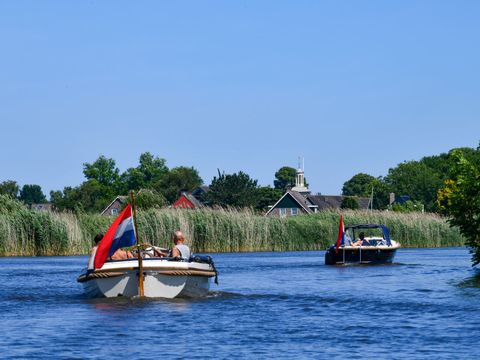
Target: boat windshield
374,234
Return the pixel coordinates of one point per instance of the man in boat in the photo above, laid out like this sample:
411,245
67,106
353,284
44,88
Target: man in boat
93,252
179,249
361,241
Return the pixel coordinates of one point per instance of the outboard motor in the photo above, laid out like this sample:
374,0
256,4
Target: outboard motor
203,259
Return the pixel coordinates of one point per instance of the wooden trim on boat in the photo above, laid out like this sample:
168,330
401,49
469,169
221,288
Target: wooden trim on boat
104,274
191,272
98,275
146,268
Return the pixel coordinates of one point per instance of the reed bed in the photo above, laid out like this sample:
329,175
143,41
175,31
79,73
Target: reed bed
28,233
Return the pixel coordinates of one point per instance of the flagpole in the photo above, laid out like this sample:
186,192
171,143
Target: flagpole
141,290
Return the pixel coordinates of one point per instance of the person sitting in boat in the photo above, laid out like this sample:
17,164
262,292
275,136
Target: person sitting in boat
121,254
91,261
361,241
347,239
179,249
154,252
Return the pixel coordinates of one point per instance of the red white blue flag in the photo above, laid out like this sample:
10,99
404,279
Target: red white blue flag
120,234
341,234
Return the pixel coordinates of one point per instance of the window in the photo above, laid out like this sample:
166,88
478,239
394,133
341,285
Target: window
294,211
114,211
283,212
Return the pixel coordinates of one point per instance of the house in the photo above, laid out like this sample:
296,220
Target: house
325,202
115,206
299,201
41,207
293,203
187,201
200,192
401,200
192,200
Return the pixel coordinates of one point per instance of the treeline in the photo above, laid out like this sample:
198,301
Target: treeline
104,181
160,186
420,180
27,233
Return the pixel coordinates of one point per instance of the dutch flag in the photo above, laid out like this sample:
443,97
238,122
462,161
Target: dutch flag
341,234
120,234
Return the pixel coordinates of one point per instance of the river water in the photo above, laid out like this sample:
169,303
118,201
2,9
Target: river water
267,305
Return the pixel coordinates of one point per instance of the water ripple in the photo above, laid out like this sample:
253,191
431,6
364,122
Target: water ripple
285,305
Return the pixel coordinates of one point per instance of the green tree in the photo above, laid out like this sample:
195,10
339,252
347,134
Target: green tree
32,194
361,185
285,178
90,196
267,196
237,190
149,199
177,180
381,194
416,180
9,205
103,183
408,206
58,201
10,188
93,196
460,200
349,202
103,171
146,175
443,164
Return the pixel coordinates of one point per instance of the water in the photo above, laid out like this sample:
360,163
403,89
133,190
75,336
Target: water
282,305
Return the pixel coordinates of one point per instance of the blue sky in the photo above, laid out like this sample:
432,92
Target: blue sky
352,86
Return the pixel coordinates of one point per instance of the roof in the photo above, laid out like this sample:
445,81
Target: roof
120,198
363,226
200,189
299,198
193,200
190,198
334,201
325,201
402,199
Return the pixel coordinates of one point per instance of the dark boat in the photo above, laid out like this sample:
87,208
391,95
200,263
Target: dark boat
373,247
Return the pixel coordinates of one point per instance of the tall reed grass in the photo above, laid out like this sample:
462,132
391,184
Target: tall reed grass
233,231
27,233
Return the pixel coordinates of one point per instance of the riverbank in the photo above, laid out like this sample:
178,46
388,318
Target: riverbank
29,233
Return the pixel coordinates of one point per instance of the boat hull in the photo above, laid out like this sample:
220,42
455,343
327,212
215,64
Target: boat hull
162,279
363,255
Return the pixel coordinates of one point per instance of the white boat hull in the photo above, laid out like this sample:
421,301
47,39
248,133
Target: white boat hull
162,279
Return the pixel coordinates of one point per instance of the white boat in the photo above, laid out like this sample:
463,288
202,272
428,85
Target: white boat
163,278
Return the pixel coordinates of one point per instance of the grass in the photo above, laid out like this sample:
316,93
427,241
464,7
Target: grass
26,233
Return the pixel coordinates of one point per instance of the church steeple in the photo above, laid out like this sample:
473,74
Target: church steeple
300,178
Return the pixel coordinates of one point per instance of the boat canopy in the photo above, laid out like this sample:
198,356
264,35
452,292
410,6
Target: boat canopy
385,231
